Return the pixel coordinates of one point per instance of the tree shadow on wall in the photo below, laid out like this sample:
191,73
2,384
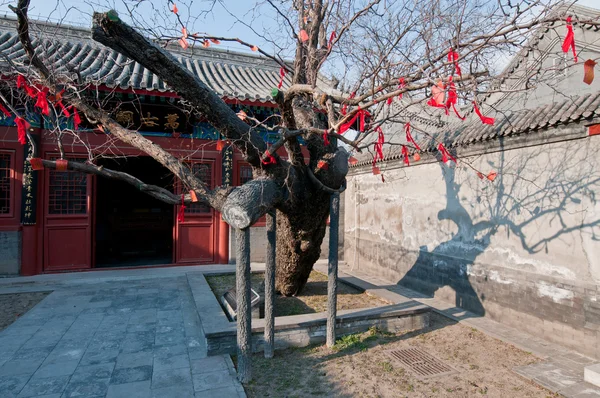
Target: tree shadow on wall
539,198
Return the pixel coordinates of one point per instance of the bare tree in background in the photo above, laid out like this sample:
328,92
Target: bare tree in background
380,52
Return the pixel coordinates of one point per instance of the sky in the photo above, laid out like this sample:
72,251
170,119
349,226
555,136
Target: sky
219,21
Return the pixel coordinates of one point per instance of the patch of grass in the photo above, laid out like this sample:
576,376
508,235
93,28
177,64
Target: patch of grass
349,342
387,367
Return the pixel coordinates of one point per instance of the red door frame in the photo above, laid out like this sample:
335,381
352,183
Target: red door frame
66,222
199,221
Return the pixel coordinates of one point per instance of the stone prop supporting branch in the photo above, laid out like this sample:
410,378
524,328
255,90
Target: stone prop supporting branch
270,287
332,268
244,326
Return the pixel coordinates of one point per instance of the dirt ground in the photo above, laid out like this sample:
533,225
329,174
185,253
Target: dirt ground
12,306
313,298
359,367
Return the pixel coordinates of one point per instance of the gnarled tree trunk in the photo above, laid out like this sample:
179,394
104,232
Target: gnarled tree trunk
299,237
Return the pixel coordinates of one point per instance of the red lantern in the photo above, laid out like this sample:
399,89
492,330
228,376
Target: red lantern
352,160
416,157
376,170
220,145
61,164
193,196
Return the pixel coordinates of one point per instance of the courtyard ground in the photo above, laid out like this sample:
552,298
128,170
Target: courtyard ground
137,333
359,366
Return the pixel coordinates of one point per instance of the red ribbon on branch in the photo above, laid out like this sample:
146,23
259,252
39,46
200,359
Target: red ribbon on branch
331,39
5,111
405,155
452,98
282,74
42,102
181,212
409,137
445,153
270,159
325,138
361,114
22,83
401,85
64,109
569,41
484,119
22,126
76,118
378,147
345,106
453,57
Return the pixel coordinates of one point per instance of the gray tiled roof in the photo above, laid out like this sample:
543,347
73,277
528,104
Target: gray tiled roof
508,124
230,74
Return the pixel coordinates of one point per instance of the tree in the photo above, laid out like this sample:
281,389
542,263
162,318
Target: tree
378,51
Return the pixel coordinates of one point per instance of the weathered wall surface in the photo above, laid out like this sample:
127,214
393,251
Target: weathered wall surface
10,252
524,250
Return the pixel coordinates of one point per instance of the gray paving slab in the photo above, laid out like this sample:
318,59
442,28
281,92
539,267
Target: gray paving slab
132,360
139,389
44,386
130,375
57,369
171,377
117,336
224,392
212,380
12,385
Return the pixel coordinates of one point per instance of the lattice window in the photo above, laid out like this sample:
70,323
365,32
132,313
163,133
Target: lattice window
245,174
68,192
202,171
6,183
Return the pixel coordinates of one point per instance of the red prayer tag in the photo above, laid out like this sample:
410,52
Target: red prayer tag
588,68
36,164
62,164
303,35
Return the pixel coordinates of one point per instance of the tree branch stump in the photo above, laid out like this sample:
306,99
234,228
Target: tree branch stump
270,288
332,268
244,327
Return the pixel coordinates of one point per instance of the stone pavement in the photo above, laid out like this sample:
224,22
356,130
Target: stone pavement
561,370
111,334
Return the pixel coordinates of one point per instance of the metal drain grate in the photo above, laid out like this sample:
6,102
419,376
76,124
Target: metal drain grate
420,363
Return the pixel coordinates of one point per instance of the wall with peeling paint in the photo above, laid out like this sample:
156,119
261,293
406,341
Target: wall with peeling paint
524,250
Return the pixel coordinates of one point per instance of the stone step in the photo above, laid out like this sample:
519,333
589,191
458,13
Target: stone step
591,374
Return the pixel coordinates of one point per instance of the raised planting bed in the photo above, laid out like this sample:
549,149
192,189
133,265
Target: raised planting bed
312,300
304,328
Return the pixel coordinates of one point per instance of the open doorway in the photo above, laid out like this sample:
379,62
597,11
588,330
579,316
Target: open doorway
132,227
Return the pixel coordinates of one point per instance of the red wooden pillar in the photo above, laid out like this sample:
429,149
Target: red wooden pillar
223,248
29,250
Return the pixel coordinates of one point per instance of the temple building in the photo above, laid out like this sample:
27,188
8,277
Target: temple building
54,221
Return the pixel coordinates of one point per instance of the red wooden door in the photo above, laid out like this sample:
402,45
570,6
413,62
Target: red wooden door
195,240
67,220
